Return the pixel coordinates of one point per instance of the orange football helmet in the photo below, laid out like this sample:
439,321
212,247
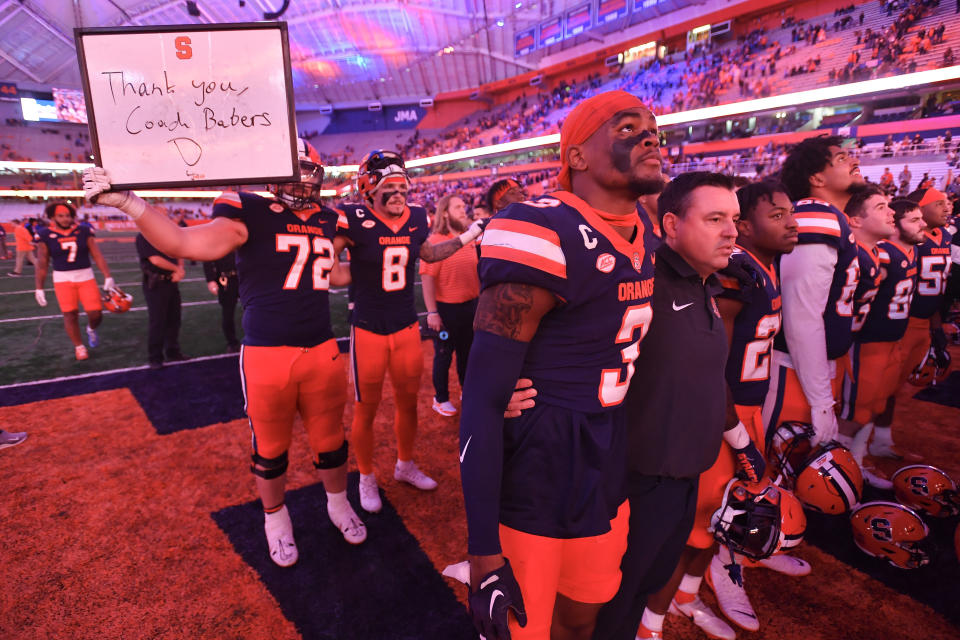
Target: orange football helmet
793,521
891,531
376,167
830,480
748,520
117,301
301,195
925,372
927,489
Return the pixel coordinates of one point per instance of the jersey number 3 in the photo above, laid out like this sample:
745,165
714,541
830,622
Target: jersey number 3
322,264
612,389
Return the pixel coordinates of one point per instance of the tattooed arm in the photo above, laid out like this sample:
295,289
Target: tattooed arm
507,318
512,310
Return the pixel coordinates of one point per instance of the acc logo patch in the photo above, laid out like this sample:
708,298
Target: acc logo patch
368,224
637,261
276,207
606,263
903,265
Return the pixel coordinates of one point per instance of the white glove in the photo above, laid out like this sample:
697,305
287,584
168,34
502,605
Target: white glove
109,285
41,297
824,424
96,188
473,232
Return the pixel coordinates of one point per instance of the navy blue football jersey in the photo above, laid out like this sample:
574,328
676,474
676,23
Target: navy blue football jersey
933,266
68,248
870,278
383,254
748,281
890,311
582,355
819,222
284,270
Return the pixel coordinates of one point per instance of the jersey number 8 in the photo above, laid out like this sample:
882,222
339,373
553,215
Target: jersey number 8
395,268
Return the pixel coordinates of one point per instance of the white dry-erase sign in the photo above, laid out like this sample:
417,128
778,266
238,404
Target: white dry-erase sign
189,105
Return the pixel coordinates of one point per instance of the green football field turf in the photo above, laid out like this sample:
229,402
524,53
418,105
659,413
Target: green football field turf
34,345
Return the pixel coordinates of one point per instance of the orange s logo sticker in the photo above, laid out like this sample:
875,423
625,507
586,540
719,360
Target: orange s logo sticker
184,51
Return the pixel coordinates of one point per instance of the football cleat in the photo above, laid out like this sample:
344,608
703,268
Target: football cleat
704,617
80,352
370,494
346,520
116,301
731,597
782,563
279,531
11,439
410,474
444,408
927,489
893,532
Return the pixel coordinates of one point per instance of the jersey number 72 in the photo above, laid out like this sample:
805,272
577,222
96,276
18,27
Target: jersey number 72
322,264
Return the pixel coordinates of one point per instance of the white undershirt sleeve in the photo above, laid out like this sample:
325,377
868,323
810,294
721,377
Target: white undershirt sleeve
806,274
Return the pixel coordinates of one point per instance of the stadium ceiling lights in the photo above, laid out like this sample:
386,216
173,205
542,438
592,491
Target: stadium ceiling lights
707,113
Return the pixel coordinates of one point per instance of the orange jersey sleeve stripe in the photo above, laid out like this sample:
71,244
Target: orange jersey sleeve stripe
526,258
526,228
231,198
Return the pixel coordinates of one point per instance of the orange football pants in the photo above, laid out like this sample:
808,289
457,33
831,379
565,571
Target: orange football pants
875,369
914,345
786,402
371,356
713,481
582,569
71,294
279,382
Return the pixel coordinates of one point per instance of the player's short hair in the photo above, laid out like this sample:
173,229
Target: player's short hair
804,160
859,197
750,196
496,190
741,181
901,207
675,197
51,209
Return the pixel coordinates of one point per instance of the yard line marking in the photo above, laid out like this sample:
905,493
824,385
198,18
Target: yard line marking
119,284
31,318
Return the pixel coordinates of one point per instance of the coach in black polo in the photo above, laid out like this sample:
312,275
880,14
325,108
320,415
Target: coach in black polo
676,404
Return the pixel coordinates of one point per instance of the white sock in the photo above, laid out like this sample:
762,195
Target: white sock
337,500
882,435
368,478
690,584
280,514
404,465
652,621
858,446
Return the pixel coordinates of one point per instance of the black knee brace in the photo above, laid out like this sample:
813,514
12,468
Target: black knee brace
272,467
331,459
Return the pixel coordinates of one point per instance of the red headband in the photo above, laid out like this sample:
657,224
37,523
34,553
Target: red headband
585,119
932,195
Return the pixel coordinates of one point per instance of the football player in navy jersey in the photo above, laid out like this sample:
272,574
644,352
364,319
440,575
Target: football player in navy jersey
876,358
385,236
289,361
566,284
818,279
871,220
924,337
70,246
